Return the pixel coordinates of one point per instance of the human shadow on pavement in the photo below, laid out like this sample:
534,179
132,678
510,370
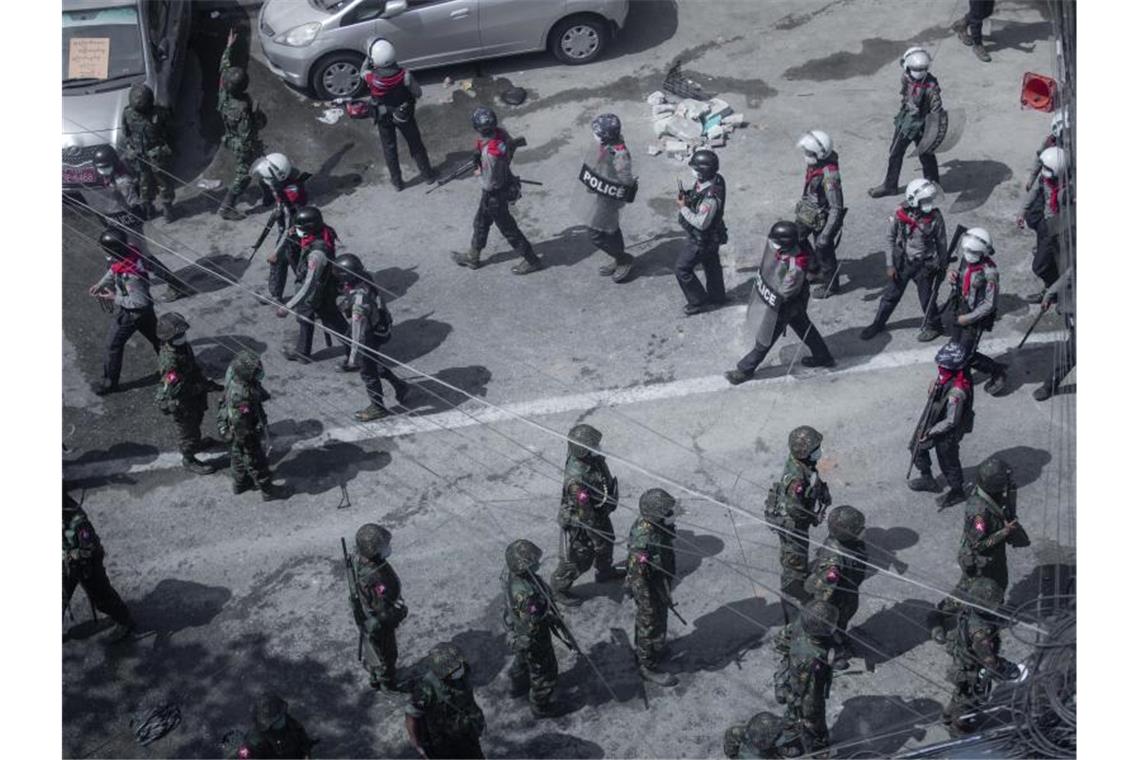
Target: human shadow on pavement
874,54
723,636
569,247
415,338
883,545
174,605
891,632
1032,365
119,459
661,259
974,181
550,744
868,273
325,187
430,397
879,726
691,550
331,466
1026,461
1014,35
215,686
285,434
395,282
582,686
213,272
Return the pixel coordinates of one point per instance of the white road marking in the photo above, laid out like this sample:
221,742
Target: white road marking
395,427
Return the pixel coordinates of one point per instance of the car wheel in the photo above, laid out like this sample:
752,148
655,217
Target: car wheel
338,76
578,40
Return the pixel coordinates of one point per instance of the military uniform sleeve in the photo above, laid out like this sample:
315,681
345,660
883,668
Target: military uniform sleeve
934,98
106,280
703,216
137,295
942,255
420,700
989,299
1035,195
955,406
833,191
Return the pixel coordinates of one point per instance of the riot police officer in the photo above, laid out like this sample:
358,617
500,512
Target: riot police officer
283,187
820,210
371,325
610,162
973,303
701,215
920,110
394,92
779,301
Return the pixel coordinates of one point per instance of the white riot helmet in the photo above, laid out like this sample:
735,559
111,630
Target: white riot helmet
1060,123
922,193
1054,162
272,168
916,62
816,145
976,243
381,53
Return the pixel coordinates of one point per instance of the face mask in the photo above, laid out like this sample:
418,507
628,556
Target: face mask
809,158
972,256
926,206
814,456
179,341
669,521
696,174
1047,173
386,552
917,74
105,171
110,259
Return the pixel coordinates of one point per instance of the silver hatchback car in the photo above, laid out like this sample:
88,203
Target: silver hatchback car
319,44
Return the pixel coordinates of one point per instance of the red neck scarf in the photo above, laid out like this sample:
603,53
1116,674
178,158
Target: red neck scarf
128,263
1052,191
961,380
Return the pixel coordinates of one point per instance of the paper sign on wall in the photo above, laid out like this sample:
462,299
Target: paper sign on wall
88,57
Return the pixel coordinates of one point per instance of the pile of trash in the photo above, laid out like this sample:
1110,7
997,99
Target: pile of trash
686,119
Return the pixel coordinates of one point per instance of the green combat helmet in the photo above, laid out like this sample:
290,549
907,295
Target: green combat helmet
446,662
522,556
846,523
994,475
269,713
373,541
985,592
141,97
170,326
819,618
656,504
763,730
247,367
581,437
803,441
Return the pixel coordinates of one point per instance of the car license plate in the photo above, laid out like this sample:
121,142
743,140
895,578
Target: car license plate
80,175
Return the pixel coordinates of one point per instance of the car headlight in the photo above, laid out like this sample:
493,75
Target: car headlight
300,36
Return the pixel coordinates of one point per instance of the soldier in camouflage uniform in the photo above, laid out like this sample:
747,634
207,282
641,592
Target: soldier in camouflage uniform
529,615
795,503
276,733
839,568
184,389
242,423
83,566
989,524
756,739
650,570
806,681
442,718
378,607
975,647
589,497
242,122
147,135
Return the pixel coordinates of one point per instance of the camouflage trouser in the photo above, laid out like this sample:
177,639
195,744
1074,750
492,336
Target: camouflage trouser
537,665
847,604
248,462
583,548
650,626
969,694
733,737
380,653
947,610
154,173
805,728
188,421
243,159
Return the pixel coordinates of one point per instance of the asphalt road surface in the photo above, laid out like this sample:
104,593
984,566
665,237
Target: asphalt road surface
234,596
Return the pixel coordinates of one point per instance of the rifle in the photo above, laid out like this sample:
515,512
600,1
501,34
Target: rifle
920,430
559,628
821,494
664,597
273,219
512,144
353,594
932,304
1032,327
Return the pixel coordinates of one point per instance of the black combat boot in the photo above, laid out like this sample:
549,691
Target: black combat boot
924,482
959,28
168,212
469,260
608,573
227,210
530,262
996,384
954,496
650,672
273,492
372,412
567,598
884,190
121,632
736,377
623,268
818,361
402,388
241,486
196,465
